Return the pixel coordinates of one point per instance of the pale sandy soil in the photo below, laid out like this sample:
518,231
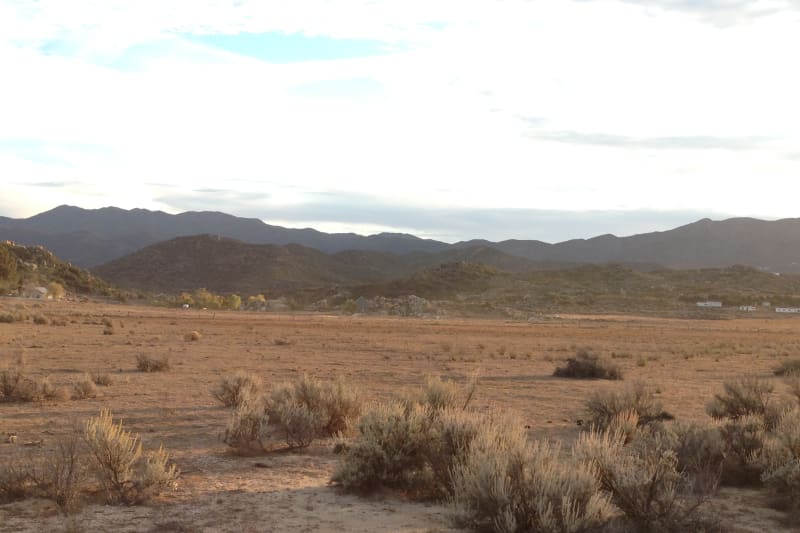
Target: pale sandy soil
686,360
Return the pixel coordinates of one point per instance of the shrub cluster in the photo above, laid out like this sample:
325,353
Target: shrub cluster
105,450
296,412
17,386
586,365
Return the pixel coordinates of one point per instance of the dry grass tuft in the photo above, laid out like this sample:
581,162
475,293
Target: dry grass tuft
145,363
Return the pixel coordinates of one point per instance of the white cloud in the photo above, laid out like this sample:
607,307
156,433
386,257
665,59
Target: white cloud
442,127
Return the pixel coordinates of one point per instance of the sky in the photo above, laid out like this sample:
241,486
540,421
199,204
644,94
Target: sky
448,119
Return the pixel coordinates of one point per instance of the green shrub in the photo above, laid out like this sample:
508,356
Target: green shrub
232,389
603,406
145,363
588,366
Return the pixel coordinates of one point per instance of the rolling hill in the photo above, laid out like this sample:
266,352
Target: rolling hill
227,265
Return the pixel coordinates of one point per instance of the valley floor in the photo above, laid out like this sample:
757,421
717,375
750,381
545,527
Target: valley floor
684,360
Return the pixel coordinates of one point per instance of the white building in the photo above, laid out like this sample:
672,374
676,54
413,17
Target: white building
787,309
748,308
709,304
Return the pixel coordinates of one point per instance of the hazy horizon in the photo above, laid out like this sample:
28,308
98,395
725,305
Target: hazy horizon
571,225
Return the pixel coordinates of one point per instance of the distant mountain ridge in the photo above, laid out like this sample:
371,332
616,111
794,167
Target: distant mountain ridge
96,236
227,265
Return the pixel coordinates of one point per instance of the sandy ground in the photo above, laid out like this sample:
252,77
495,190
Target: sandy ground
684,360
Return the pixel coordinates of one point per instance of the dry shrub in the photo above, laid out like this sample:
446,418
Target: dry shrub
104,379
744,438
59,475
793,382
245,430
414,443
233,388
792,366
744,395
389,450
193,336
40,320
588,366
145,363
16,386
14,480
438,393
700,451
309,406
84,388
643,480
507,485
118,461
603,406
780,461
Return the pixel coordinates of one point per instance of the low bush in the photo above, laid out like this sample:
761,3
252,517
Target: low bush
780,461
309,406
603,406
512,486
700,451
40,320
84,388
643,480
245,432
793,382
233,388
117,456
14,480
145,363
104,379
414,445
791,366
588,366
743,438
17,386
60,474
745,395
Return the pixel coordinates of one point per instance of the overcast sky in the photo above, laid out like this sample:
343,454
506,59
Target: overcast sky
447,119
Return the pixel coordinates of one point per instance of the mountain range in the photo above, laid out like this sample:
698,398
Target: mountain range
92,237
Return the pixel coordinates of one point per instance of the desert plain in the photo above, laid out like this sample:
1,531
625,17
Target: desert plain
684,361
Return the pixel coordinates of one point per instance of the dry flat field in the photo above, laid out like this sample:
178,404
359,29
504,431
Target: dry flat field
684,360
